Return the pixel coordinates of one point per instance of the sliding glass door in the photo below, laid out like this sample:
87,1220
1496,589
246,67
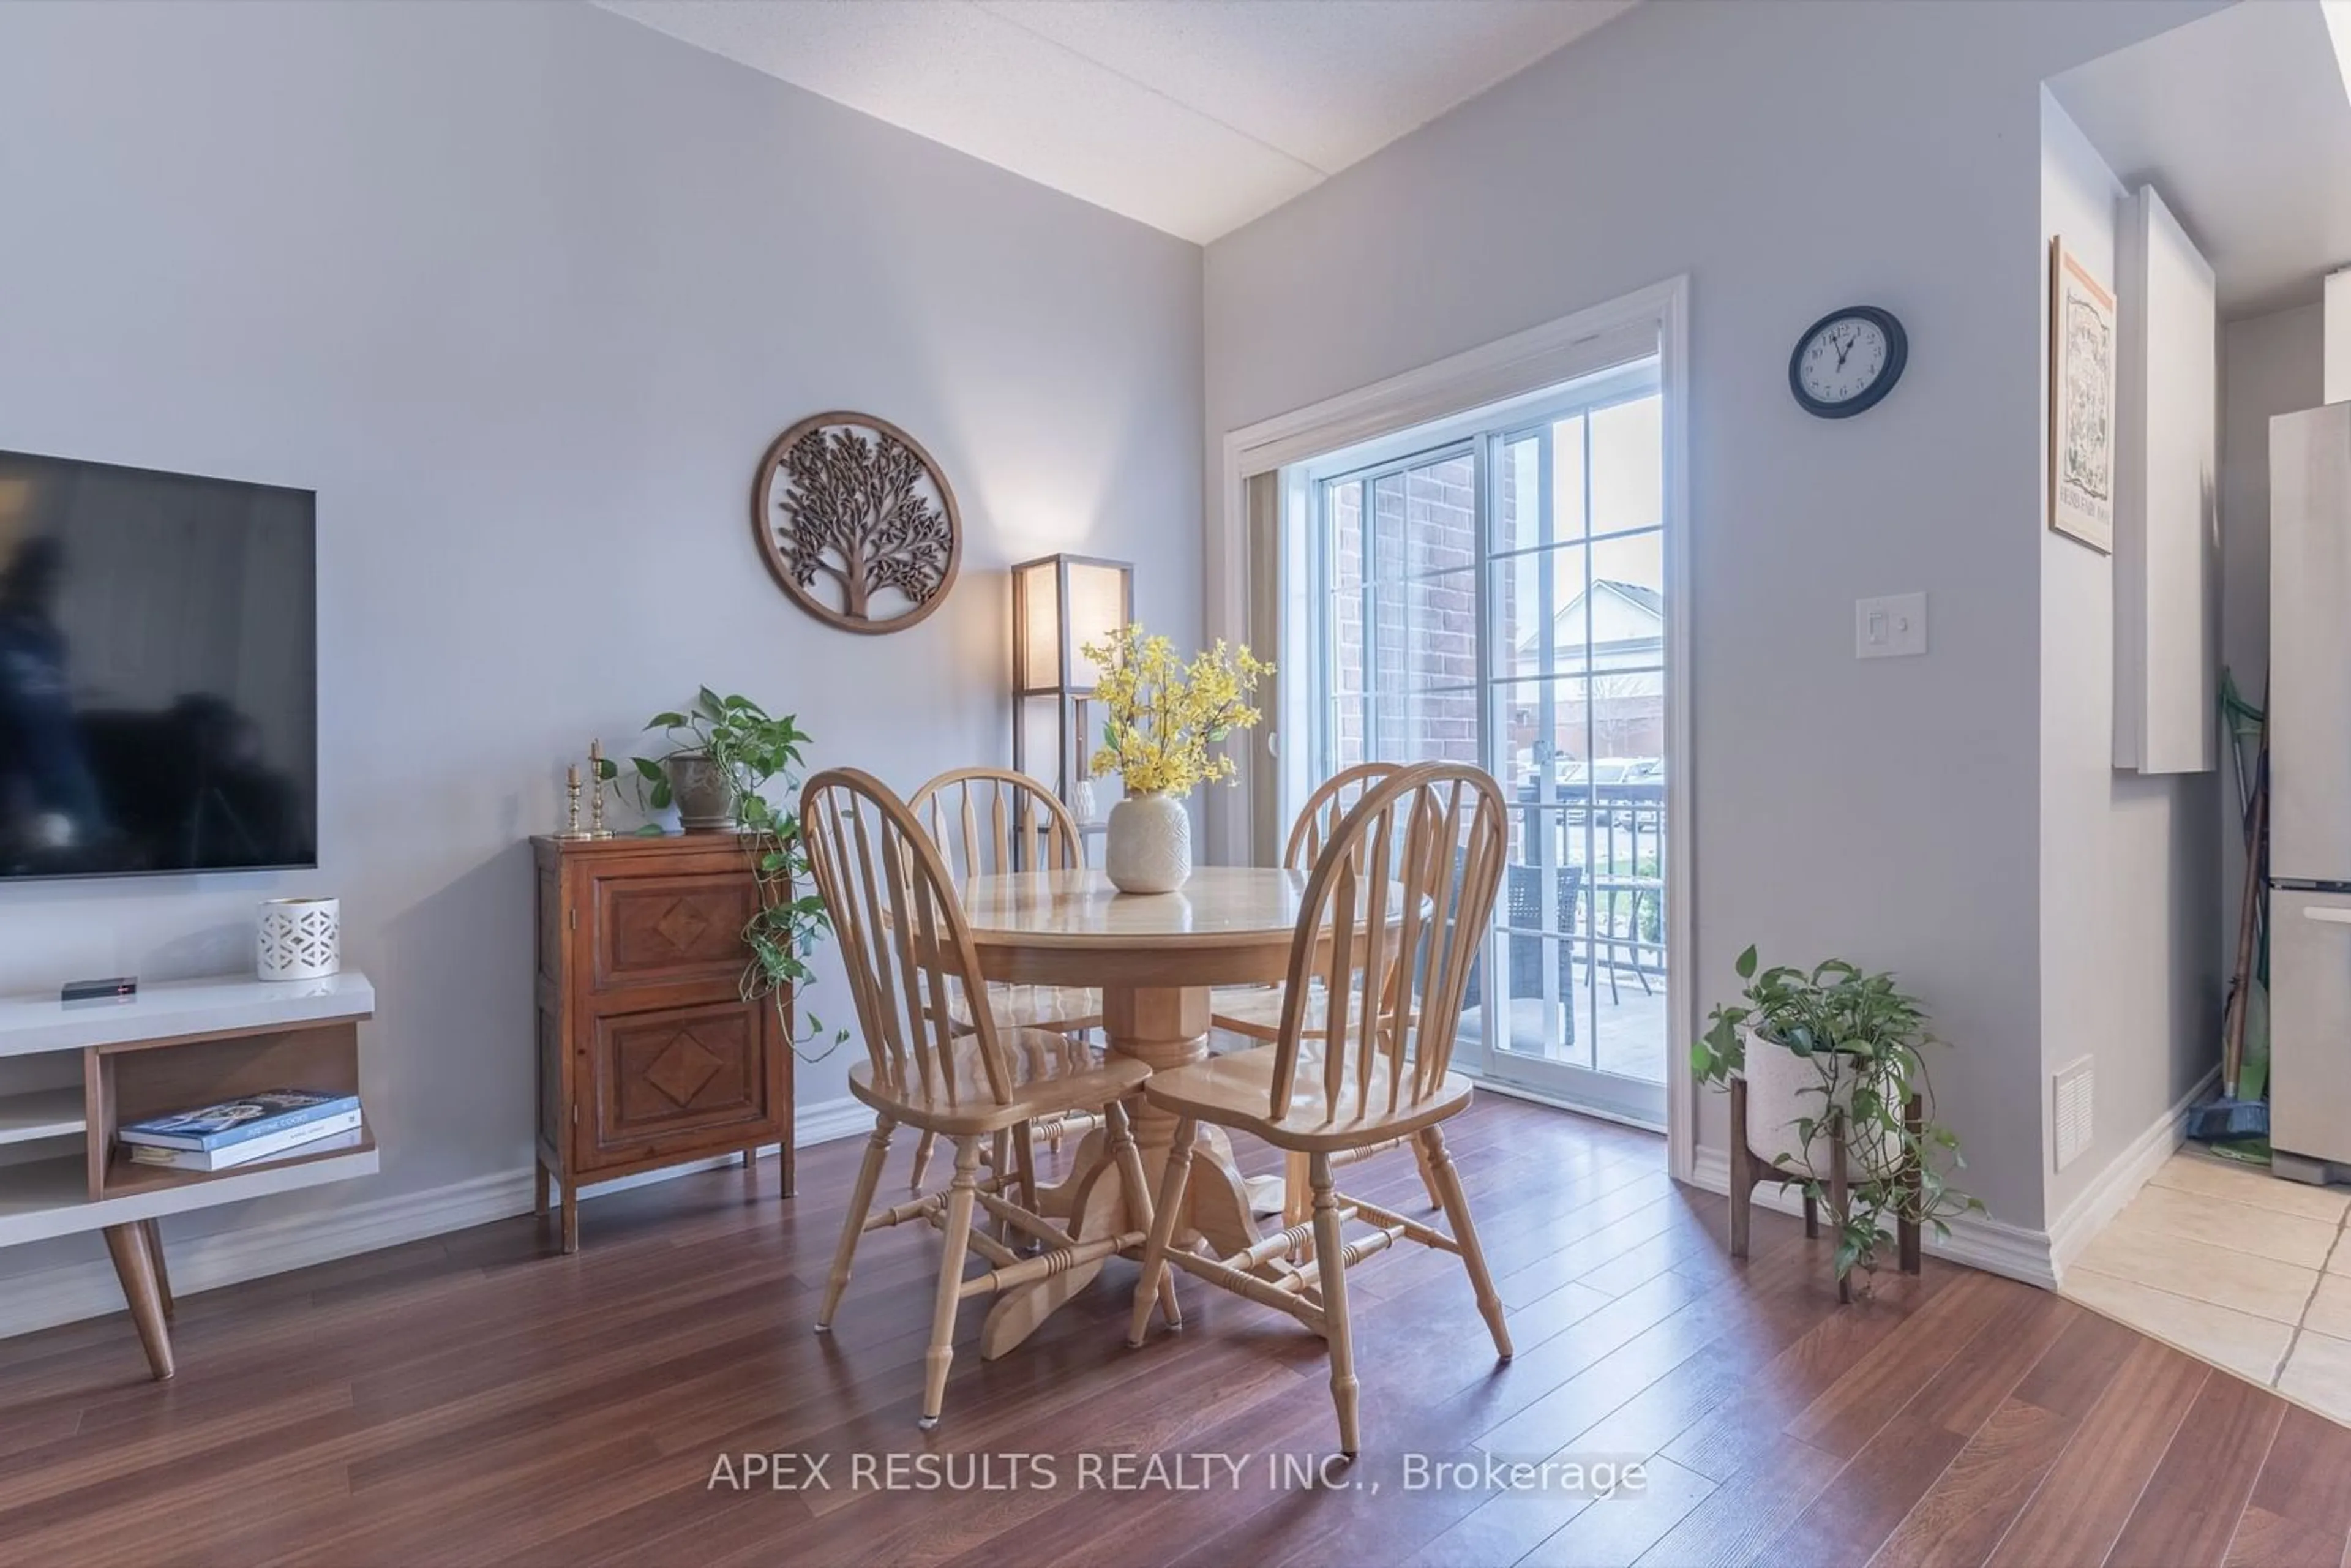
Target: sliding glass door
1499,597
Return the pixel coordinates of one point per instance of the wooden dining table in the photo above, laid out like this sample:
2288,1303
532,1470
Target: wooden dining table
1155,957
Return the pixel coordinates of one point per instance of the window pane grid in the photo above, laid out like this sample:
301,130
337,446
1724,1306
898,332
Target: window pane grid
1501,602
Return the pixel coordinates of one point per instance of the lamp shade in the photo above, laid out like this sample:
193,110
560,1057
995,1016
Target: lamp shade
1060,603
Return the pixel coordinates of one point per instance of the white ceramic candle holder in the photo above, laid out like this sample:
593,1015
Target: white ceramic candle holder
298,938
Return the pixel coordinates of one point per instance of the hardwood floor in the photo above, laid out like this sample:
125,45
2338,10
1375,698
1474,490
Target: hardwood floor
478,1399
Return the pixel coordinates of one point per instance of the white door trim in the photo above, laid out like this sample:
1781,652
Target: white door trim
1493,373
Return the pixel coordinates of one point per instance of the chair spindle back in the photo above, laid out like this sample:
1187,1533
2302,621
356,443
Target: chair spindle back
1427,844
1324,809
987,821
902,931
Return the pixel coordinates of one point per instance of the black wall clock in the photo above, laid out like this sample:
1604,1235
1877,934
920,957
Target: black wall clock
1847,360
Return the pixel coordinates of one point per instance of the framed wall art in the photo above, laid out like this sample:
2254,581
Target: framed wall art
857,522
2082,340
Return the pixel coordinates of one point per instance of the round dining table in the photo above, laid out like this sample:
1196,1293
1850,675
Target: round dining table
1155,957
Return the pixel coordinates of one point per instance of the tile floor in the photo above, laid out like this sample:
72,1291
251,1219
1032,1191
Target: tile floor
2233,1265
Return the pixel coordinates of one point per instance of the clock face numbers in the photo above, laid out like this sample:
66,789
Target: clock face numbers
1842,360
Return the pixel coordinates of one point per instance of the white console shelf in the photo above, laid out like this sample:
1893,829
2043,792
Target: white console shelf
174,1046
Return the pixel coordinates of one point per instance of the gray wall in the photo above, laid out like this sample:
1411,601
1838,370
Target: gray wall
1789,157
2129,863
523,291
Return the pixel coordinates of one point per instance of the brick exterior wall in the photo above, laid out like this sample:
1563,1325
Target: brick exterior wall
1425,554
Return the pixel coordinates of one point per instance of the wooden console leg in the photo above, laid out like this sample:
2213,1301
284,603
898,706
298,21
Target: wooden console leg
539,1187
1742,1171
570,1219
1906,1230
1839,1203
153,1233
133,1266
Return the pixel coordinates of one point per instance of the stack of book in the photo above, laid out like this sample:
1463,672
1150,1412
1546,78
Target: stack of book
238,1131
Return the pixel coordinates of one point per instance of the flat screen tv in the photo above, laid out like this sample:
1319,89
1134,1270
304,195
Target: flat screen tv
158,682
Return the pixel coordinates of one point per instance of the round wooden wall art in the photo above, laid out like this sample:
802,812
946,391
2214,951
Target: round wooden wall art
857,522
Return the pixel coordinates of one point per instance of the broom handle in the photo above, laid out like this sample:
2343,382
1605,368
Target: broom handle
2232,1033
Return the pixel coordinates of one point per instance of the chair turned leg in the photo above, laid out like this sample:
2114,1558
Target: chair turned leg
1905,1229
126,1244
921,1160
1455,1204
1427,1176
1330,1265
1297,1207
963,1197
1742,1171
1158,1281
1024,1156
1839,1205
861,1199
1000,1163
1128,1159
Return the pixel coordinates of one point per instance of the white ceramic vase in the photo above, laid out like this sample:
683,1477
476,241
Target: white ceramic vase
1782,1087
1149,844
299,940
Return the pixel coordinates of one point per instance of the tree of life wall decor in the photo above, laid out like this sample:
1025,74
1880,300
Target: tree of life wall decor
2081,402
857,523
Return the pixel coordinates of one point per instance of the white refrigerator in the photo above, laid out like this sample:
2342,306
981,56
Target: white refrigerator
2310,790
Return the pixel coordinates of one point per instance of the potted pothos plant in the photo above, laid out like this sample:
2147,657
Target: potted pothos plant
722,754
1834,1054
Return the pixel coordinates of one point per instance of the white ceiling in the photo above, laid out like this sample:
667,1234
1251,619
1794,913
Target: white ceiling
2241,120
1193,116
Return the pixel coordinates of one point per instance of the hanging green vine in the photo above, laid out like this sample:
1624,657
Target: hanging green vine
753,749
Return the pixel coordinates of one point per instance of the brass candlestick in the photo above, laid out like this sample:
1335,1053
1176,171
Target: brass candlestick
571,828
596,827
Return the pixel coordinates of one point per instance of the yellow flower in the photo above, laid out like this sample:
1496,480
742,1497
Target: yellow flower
1163,716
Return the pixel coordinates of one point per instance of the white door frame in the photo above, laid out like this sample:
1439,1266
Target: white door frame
1509,366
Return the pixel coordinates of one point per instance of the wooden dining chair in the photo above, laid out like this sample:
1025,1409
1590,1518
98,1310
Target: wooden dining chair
905,945
1406,882
1254,1011
987,821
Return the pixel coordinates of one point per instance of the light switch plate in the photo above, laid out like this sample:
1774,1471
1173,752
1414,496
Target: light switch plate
1892,627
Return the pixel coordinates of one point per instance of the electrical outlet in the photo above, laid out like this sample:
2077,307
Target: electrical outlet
1891,627
2070,1111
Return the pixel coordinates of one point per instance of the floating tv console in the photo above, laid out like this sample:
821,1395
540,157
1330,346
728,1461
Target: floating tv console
176,1046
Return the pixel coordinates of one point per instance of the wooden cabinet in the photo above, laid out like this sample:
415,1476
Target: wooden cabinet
648,1054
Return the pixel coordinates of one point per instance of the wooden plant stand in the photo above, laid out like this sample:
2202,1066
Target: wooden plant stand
1748,1168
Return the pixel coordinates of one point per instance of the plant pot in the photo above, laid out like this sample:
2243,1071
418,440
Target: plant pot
1149,844
702,794
1782,1088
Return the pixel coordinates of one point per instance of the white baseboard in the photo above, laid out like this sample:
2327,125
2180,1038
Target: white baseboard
2035,1256
72,1291
2120,1181
1976,1240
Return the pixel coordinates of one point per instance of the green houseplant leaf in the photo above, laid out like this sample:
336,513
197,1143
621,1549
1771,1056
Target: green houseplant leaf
1862,1039
753,751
